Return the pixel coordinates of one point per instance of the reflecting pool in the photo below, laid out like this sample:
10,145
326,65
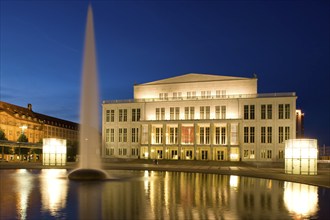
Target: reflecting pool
48,194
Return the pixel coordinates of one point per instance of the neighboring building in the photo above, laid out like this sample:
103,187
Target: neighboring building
199,116
15,119
300,116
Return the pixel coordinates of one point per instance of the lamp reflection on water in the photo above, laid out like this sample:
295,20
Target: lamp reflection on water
53,190
24,186
301,199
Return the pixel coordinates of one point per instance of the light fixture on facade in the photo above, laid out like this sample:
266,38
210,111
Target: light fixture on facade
301,156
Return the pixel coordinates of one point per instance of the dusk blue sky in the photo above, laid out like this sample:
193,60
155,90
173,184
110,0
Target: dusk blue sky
286,43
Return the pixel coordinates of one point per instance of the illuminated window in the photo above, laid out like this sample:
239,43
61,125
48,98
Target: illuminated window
159,136
145,134
174,113
204,135
187,134
204,112
173,135
234,134
263,153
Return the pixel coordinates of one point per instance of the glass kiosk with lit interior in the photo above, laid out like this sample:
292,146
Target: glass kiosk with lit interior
54,151
301,156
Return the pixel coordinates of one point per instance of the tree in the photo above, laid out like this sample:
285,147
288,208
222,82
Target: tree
2,135
22,138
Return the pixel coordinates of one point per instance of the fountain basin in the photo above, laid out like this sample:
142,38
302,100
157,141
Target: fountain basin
87,174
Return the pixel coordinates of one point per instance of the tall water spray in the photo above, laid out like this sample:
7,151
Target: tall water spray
89,161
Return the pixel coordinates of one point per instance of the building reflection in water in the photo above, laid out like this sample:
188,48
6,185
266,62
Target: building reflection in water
300,199
54,190
154,195
23,188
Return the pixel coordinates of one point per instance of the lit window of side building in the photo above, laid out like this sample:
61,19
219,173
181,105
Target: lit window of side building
199,117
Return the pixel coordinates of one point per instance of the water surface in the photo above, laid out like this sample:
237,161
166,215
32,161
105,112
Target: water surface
48,194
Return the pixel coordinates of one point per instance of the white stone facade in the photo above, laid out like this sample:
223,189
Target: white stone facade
199,116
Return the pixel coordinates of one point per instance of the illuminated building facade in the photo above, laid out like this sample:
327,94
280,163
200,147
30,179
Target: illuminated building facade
199,116
16,119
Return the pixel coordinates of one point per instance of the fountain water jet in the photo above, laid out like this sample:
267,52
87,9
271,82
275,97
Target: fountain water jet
89,161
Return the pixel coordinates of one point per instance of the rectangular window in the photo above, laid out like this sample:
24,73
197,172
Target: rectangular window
251,134
269,134
174,113
173,135
223,135
207,109
159,135
246,112
120,135
280,134
246,134
125,115
107,117
269,111
263,154
186,113
287,111
120,115
246,153
217,135
201,135
280,111
192,113
280,154
203,94
171,113
136,114
162,112
135,135
263,111
263,134
157,113
107,135
189,113
269,154
251,111
234,134
217,112
287,133
112,135
112,115
223,112
201,112
177,113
